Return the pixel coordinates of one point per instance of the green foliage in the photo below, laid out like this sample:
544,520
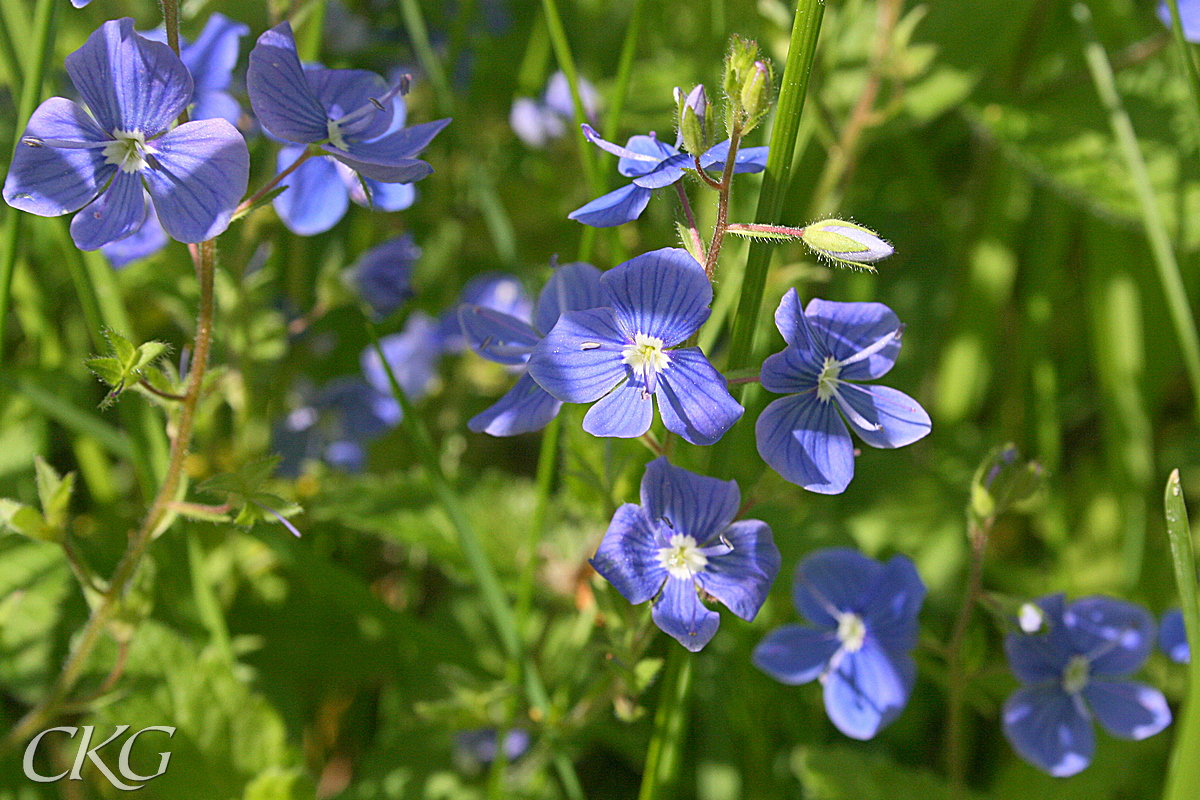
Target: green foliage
126,365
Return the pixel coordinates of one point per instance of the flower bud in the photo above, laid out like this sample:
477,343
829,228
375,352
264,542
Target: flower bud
846,243
693,120
756,94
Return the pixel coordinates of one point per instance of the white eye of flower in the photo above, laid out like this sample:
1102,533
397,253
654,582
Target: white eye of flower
827,381
1075,676
647,358
128,151
1030,618
682,558
851,632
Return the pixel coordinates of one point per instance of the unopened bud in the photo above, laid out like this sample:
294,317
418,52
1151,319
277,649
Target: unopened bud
846,243
756,94
693,119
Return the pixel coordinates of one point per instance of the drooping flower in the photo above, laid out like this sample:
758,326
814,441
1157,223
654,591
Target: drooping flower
498,291
134,88
830,344
1076,669
681,542
348,113
863,617
1172,637
653,164
381,275
1189,15
210,61
509,340
537,122
627,351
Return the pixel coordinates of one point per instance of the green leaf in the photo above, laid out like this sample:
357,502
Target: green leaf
148,352
122,348
54,492
26,521
107,369
839,773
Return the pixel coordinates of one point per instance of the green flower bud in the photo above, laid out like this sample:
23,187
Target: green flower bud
756,94
693,120
846,244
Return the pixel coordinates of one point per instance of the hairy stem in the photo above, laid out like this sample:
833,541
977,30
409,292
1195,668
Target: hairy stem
723,193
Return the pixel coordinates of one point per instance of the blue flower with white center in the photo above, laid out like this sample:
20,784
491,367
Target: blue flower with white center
381,275
653,164
349,113
682,544
1075,669
1189,15
829,345
863,617
1172,637
507,339
105,161
627,351
498,291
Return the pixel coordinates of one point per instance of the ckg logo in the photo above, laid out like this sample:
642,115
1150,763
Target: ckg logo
85,753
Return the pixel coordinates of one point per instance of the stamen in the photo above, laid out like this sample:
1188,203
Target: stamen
851,632
646,358
874,347
681,557
827,381
128,150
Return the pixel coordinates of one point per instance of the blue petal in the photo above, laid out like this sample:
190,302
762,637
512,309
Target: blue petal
400,170
640,155
663,293
693,398
279,90
805,441
383,196
497,336
615,208
198,177
789,319
791,371
382,274
130,83
533,123
1128,710
890,612
1172,637
1114,635
895,419
211,58
115,214
1189,16
794,654
1039,657
412,355
687,503
834,581
496,290
145,241
845,329
566,364
1050,729
665,174
524,408
628,556
390,158
342,91
558,96
868,689
742,577
680,614
625,412
51,181
749,159
315,198
216,105
572,287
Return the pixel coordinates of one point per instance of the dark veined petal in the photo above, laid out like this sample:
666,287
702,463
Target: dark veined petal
615,208
403,170
211,58
626,412
497,336
129,82
580,359
834,581
572,287
694,399
279,91
116,213
342,91
687,503
846,329
1127,709
643,154
805,441
742,577
628,556
315,198
1050,729
791,371
794,654
663,293
1039,657
1172,637
197,178
394,151
524,408
749,159
790,320
868,689
890,612
680,614
51,181
1116,636
893,418
665,173
145,241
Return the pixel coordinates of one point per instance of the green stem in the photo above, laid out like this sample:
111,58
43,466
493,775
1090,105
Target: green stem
1184,52
419,35
41,46
8,54
1152,219
624,70
547,460
955,668
1183,775
670,720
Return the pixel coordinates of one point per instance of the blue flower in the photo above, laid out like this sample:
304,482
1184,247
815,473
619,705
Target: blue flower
412,354
864,625
507,339
1189,15
830,344
626,351
536,123
343,417
349,113
653,164
1172,637
1074,670
498,291
195,173
479,746
145,241
681,541
382,274
210,61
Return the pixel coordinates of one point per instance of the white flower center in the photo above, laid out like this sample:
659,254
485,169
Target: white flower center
128,150
1030,618
335,135
851,632
682,558
827,381
647,358
1075,676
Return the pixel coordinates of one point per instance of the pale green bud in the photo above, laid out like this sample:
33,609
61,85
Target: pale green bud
846,243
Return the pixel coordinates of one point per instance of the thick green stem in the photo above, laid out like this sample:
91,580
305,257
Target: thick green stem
1183,776
1152,218
670,720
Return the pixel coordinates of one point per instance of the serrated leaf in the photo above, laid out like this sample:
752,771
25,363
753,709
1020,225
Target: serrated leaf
107,369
